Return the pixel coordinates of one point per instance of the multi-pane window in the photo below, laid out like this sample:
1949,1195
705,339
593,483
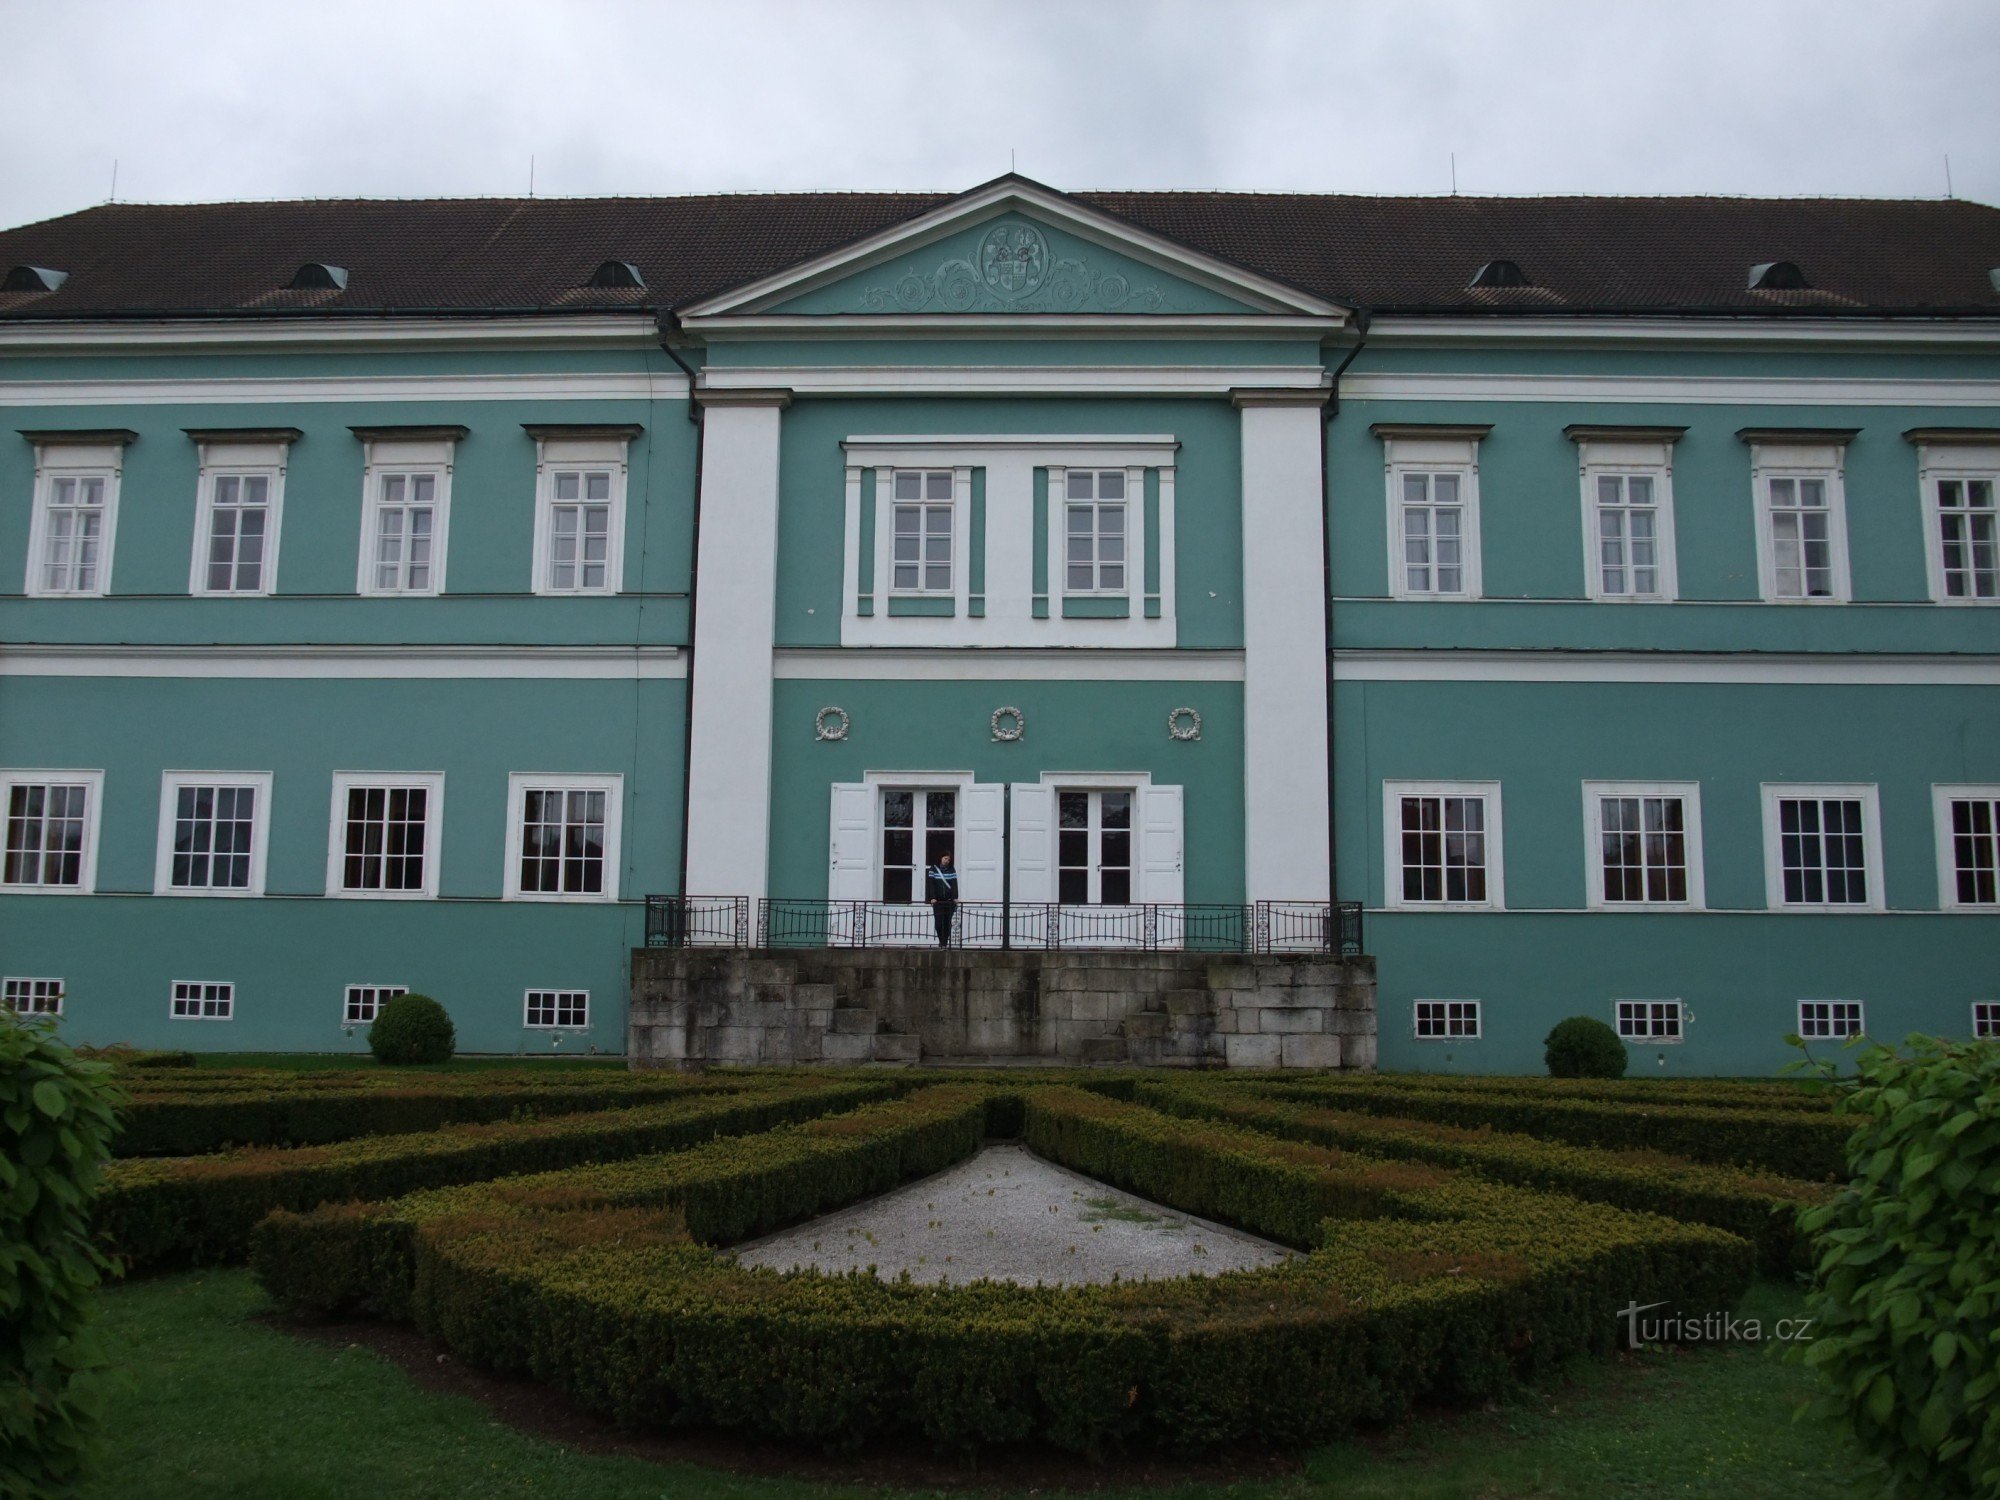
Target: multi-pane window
1968,541
1433,531
32,997
563,844
920,537
213,828
383,835
364,1002
48,825
1830,1018
1970,845
1443,846
1447,1020
1095,531
239,534
918,828
1628,537
406,531
1649,1020
1643,847
568,1009
74,530
1822,851
579,530
1800,514
1094,847
1986,1019
203,1000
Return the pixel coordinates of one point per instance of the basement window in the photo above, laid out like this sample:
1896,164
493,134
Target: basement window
567,1010
204,1000
1447,1020
32,997
1650,1021
364,1002
1830,1019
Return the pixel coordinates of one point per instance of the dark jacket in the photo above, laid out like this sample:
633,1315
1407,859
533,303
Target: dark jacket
940,884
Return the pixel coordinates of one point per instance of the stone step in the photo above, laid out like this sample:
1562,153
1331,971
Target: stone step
854,1020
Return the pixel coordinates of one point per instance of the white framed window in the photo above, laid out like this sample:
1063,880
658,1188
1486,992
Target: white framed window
1799,488
919,826
203,1000
1628,511
1447,1020
563,837
383,838
1650,1021
240,504
51,830
1967,819
1643,845
74,522
406,512
923,528
1830,1019
1965,536
567,1010
1094,841
362,1003
1442,844
580,479
215,829
1985,1019
1822,847
1097,531
31,997
1433,491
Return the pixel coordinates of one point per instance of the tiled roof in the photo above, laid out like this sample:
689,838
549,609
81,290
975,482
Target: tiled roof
486,255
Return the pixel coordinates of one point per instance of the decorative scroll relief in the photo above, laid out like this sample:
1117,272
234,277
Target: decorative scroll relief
1012,270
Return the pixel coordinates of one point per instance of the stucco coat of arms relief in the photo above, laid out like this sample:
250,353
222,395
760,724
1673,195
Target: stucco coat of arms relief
1013,270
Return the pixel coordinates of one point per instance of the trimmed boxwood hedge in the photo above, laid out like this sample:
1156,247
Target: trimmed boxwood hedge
1761,1207
202,1208
1708,1093
1428,1282
1795,1143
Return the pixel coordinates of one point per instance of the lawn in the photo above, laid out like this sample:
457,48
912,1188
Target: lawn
214,1401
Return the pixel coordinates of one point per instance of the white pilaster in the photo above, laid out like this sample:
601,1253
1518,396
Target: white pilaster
1286,854
729,762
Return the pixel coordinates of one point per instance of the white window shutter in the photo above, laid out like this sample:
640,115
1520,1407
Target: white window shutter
1160,842
1032,845
979,814
851,844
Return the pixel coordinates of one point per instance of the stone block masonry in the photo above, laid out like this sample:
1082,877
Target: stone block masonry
791,1007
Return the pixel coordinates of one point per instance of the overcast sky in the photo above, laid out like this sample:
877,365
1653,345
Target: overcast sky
203,99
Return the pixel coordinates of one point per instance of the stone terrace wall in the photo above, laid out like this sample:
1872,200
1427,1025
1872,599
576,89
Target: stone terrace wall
692,1006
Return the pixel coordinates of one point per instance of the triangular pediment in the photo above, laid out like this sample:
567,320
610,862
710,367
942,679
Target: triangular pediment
1013,248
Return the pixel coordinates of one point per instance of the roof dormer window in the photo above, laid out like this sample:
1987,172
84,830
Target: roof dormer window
32,279
1778,276
318,276
617,273
1500,273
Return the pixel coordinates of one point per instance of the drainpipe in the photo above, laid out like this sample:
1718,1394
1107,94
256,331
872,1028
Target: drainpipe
669,330
1361,321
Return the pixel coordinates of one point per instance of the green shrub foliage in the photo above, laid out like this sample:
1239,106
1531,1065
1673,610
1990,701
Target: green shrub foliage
1907,1286
412,1030
57,1117
1584,1047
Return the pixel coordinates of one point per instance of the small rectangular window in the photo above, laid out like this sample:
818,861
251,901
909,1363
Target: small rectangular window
1095,531
363,1002
1433,516
1967,539
1986,1019
1649,1020
203,1000
564,838
51,829
921,521
566,1009
32,997
1830,1019
1447,1020
1443,843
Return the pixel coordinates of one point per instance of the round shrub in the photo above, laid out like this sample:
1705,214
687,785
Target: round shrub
412,1029
1584,1047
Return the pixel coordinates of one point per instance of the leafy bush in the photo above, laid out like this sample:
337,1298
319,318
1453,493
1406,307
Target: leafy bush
1906,1291
57,1116
1584,1047
411,1030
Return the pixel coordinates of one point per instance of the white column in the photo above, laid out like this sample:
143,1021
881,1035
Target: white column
729,764
1286,854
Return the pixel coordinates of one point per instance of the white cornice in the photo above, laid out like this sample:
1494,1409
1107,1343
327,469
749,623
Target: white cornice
568,663
1696,390
1822,669
1015,380
1003,664
1603,328
153,335
721,329
636,385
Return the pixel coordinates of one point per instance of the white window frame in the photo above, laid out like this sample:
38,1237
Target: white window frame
1871,844
227,999
1824,461
1476,1012
1943,794
1393,793
1593,835
1986,1014
1945,463
1829,1035
383,457
1652,460
1650,1037
220,459
57,458
171,783
1134,506
15,988
554,453
612,785
344,782
1415,451
558,996
383,993
959,588
93,799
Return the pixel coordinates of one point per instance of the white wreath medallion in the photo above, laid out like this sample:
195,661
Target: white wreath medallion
831,723
1008,731
1184,724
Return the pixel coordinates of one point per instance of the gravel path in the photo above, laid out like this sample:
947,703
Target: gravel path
1007,1215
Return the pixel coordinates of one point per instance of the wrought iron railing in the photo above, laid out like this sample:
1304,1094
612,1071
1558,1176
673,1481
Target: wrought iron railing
1256,927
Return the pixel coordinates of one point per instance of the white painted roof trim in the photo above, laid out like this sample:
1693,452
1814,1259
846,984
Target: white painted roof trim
1002,380
1598,328
624,328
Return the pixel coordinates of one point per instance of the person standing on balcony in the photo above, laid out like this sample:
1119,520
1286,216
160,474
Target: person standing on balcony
941,890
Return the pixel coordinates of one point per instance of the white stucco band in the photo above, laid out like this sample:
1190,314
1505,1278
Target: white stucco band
729,760
1286,834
